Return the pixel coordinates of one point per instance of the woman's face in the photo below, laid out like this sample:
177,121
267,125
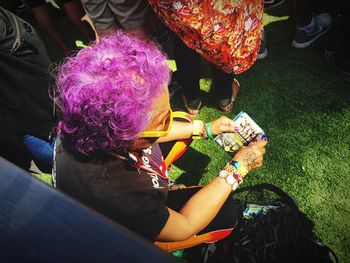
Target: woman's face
159,120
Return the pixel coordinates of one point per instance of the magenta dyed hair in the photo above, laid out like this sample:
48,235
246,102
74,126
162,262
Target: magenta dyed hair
106,93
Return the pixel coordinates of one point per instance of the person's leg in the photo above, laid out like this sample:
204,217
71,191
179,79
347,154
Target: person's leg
222,83
101,16
40,149
263,52
75,11
226,88
188,68
135,16
309,27
303,12
45,19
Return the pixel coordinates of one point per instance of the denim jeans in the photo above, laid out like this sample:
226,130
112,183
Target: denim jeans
40,149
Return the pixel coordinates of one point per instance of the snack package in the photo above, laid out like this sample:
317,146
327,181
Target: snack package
248,132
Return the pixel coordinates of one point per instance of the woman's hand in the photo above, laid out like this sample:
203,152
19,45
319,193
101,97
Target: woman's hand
251,156
223,124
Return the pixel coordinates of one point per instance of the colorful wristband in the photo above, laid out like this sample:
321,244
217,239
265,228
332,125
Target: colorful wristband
197,129
207,128
233,170
242,170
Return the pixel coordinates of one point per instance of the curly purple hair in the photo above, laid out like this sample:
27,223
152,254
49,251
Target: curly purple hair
106,93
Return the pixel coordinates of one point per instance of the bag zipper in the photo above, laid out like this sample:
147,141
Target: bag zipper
18,40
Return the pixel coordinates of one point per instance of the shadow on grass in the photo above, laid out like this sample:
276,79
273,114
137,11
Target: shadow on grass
194,164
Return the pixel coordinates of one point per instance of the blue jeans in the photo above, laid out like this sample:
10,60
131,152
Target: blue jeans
40,149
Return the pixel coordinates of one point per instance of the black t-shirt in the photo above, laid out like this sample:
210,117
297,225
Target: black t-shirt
133,198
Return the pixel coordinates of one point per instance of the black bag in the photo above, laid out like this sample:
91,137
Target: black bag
19,38
274,231
25,105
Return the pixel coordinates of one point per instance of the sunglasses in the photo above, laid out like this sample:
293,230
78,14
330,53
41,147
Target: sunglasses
168,123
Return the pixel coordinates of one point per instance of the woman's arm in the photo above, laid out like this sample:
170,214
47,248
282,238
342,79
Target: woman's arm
184,130
203,206
197,213
179,130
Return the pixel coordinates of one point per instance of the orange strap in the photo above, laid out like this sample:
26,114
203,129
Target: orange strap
209,237
178,149
180,146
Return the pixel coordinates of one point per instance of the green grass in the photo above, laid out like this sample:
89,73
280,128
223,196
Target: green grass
303,104
46,178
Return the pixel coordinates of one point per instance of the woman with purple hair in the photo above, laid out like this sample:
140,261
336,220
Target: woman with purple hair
115,120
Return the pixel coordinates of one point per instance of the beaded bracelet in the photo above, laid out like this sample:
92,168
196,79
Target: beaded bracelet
229,178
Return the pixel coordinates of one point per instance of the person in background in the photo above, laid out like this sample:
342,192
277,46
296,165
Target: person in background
25,107
134,16
116,139
46,20
188,75
226,34
309,27
137,17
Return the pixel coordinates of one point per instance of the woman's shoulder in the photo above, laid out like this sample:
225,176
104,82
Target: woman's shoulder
72,166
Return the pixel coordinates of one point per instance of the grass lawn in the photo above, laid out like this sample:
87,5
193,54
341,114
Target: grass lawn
303,104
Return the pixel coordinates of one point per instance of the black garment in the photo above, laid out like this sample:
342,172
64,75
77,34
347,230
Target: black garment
25,107
20,39
188,68
133,199
138,201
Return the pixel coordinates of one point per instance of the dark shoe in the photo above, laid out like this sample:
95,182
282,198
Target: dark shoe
304,39
263,50
226,105
268,4
192,106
